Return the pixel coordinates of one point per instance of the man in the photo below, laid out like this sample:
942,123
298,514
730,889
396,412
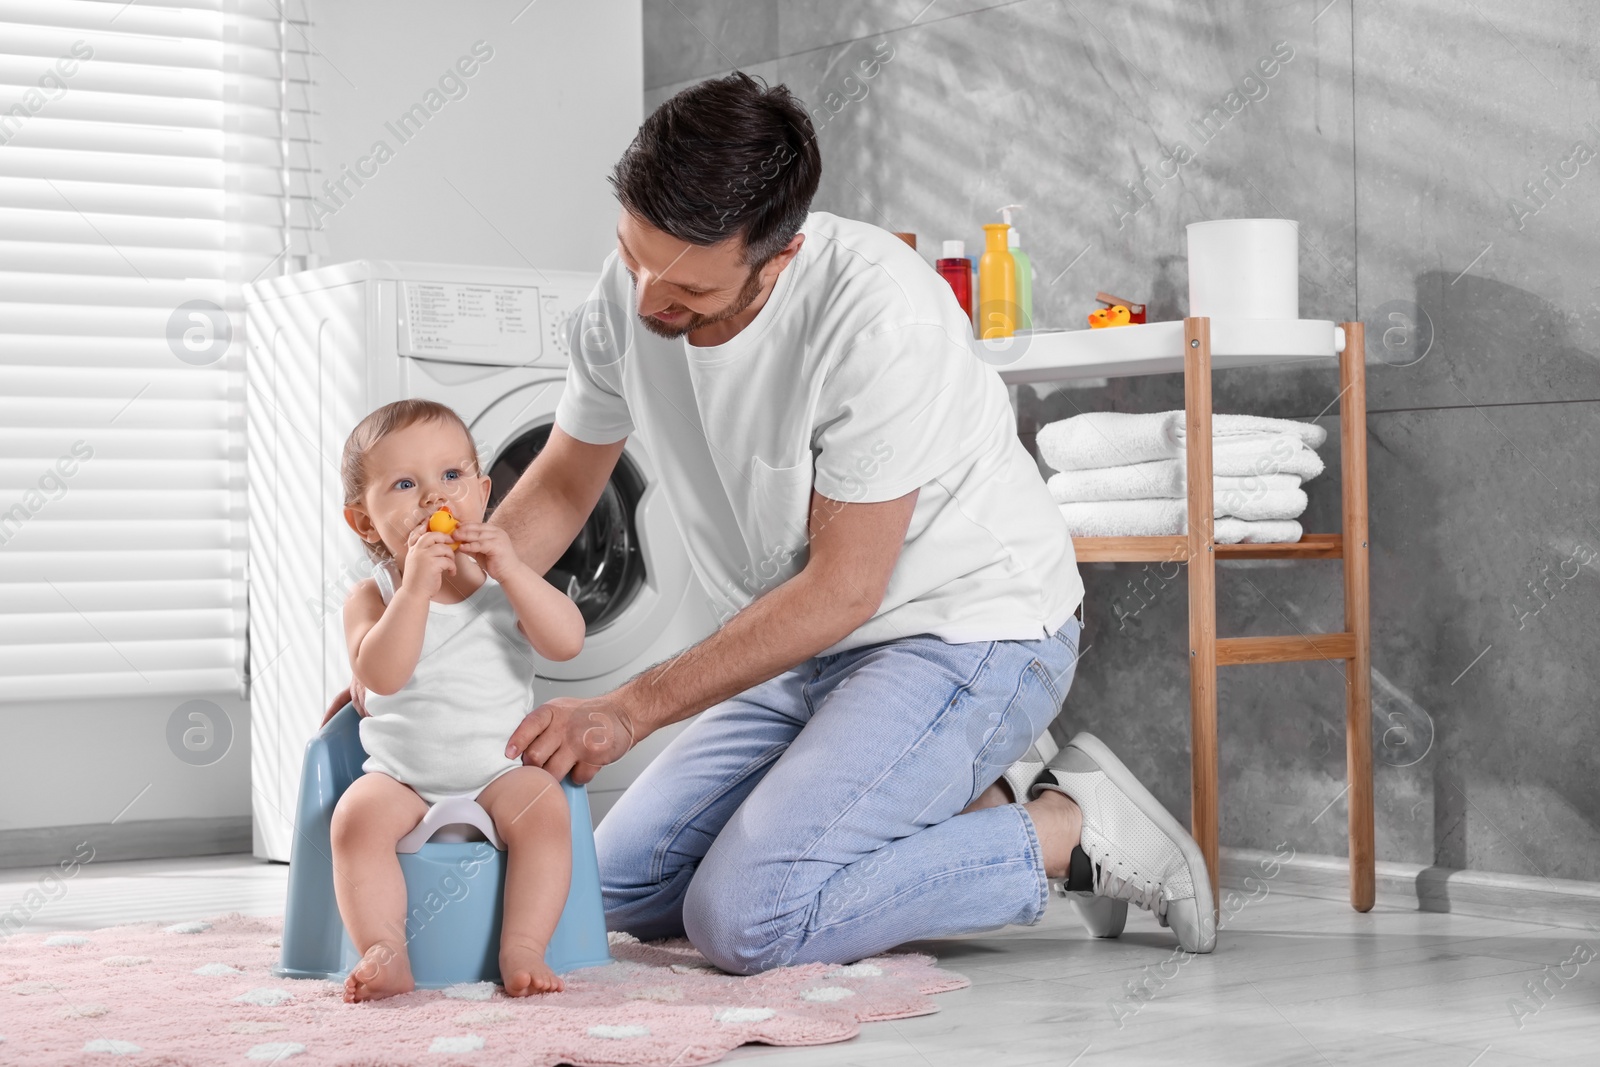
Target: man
898,590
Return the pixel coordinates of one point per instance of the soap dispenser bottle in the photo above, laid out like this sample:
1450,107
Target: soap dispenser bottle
997,284
1024,270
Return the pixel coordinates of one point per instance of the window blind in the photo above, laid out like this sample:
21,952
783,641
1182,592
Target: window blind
148,160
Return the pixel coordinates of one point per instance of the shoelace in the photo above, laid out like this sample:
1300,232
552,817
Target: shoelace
1128,886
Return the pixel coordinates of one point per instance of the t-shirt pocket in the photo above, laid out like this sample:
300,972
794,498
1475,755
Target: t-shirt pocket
774,527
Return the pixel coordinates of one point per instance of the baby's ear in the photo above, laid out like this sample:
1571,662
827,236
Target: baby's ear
358,521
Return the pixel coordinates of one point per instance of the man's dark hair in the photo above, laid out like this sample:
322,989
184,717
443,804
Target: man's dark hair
728,156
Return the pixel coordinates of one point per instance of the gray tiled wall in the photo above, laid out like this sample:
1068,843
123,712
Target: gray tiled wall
1401,135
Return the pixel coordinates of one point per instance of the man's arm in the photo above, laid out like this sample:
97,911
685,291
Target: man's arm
853,550
549,504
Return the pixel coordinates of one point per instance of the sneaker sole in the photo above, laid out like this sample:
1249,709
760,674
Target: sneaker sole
1101,916
1119,775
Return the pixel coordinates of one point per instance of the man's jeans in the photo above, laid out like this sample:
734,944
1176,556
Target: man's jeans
814,818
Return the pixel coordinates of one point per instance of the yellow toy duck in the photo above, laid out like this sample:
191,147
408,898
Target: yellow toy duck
442,521
1115,315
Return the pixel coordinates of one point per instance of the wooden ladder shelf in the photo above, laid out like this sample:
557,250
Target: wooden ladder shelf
1207,651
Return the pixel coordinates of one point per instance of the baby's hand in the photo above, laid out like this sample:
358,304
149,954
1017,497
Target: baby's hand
429,558
490,545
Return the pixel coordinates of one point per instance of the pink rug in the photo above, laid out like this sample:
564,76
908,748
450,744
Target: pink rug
203,993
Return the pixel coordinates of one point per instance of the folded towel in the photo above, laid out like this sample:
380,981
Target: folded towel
1244,532
1260,505
1254,507
1125,518
1146,481
1154,518
1312,435
1115,438
1109,439
1132,481
1255,483
1245,456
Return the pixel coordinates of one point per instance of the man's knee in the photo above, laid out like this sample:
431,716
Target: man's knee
725,924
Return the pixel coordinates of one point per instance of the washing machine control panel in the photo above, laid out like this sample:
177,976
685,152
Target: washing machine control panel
471,323
558,312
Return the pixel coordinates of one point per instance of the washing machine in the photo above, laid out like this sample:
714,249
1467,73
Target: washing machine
329,345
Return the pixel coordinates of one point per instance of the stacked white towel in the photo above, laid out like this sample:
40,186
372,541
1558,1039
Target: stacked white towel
1125,475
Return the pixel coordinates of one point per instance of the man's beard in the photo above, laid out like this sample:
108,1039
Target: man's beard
752,288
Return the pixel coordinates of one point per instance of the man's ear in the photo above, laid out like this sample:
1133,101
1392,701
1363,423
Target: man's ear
785,255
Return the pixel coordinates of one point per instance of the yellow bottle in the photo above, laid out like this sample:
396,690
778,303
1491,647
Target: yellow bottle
997,284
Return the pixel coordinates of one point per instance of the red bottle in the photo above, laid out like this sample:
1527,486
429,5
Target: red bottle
955,268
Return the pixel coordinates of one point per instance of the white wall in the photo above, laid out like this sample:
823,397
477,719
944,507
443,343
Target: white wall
529,145
513,172
72,762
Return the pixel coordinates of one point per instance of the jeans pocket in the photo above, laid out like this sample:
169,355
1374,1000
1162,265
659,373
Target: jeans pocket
1058,664
1039,668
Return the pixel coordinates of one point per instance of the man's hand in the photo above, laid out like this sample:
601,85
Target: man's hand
356,693
576,735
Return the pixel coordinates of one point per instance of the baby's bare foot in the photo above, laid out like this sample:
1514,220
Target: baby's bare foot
524,971
383,971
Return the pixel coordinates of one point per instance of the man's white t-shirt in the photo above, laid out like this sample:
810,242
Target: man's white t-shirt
858,376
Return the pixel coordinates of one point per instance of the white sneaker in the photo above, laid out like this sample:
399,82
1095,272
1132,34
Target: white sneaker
1101,916
1020,775
1139,852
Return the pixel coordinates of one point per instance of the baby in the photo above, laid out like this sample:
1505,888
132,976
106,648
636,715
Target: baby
449,670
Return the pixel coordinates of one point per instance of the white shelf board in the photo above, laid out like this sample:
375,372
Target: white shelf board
1157,348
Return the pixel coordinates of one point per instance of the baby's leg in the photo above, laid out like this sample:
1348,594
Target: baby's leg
530,813
369,820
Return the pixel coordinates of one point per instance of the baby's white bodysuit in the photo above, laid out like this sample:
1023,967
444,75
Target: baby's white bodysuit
444,732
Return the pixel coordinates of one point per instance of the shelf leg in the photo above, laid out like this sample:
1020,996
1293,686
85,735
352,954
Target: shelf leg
1202,595
1357,612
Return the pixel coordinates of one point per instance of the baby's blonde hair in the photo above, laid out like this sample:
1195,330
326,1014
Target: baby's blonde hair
389,419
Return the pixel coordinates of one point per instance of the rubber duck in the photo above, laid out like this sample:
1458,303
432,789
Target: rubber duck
442,521
1115,315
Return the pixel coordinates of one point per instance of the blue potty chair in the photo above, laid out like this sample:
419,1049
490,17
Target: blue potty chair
455,873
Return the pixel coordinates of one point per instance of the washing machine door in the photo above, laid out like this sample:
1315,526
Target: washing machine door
627,569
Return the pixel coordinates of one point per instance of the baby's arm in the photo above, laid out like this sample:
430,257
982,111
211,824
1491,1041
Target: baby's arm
384,643
546,616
